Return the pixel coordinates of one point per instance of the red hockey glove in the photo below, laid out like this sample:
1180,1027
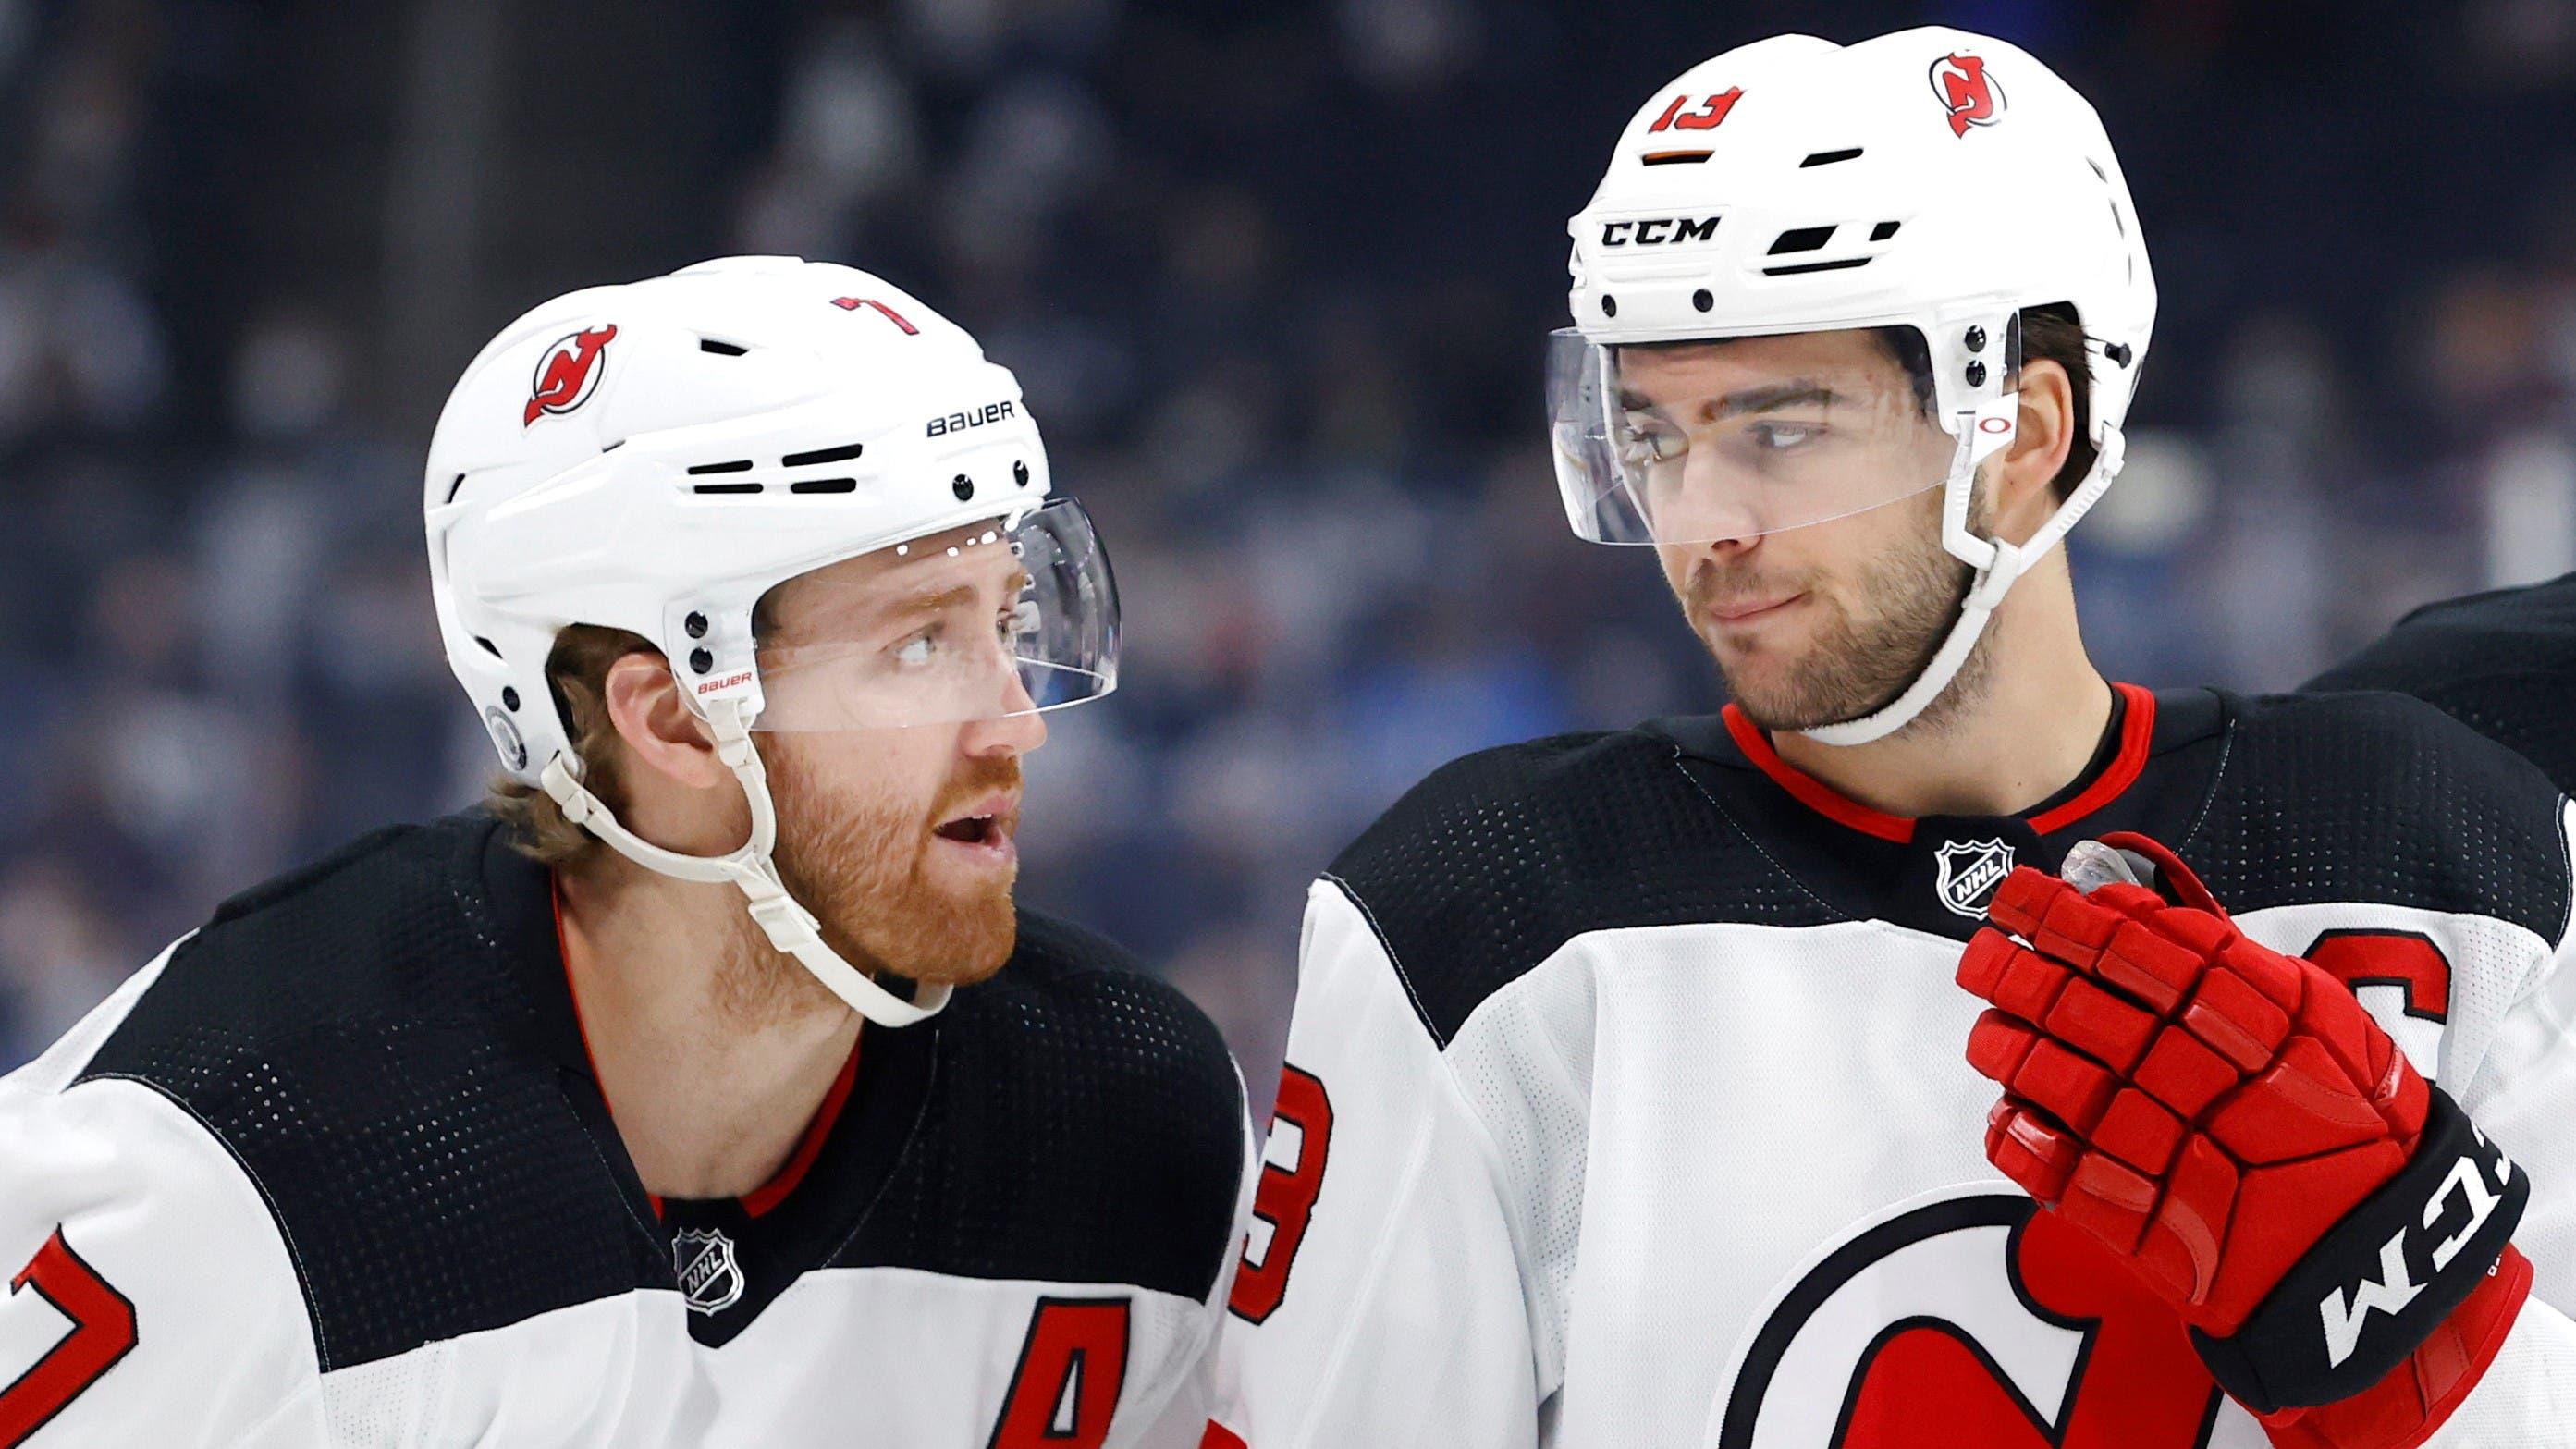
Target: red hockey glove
2231,1124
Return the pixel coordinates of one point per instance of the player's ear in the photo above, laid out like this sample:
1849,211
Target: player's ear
2044,434
661,733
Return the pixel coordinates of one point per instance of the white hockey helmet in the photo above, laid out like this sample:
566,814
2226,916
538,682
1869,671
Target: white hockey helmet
658,456
1930,180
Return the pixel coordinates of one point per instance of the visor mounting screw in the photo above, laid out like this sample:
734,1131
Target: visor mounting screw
701,661
962,486
1609,306
1976,339
510,698
1020,474
1702,300
1976,374
696,624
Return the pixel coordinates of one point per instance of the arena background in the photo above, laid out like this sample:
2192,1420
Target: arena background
1276,278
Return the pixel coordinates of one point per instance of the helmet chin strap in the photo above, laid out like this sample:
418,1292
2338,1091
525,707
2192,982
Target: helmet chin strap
790,927
1998,565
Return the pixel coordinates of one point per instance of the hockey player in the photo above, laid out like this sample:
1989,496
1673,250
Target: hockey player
707,1088
2502,662
1632,1094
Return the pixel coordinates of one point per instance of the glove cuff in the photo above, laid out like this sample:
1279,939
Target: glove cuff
2382,1280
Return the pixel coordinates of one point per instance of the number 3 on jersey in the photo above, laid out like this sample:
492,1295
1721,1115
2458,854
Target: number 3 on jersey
1285,1198
102,1333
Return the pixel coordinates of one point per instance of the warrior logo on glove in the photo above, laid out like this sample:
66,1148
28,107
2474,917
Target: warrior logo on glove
2233,1126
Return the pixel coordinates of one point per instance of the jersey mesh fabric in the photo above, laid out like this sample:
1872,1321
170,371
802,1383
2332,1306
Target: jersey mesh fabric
407,1153
2502,663
1496,860
2383,799
1072,1137
389,1402
1524,1064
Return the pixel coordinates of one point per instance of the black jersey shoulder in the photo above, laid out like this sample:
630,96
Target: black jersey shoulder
1499,858
354,1037
1086,1125
2503,663
2381,799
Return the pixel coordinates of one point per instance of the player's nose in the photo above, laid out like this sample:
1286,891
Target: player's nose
1017,729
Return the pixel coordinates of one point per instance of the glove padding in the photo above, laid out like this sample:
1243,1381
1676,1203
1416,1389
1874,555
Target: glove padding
2210,1110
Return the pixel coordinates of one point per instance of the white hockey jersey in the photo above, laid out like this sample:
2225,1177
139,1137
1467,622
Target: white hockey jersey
334,1170
1626,1102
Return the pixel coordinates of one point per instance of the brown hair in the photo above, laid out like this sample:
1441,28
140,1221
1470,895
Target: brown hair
577,677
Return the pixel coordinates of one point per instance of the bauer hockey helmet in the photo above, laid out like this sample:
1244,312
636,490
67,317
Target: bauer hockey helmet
658,456
1929,180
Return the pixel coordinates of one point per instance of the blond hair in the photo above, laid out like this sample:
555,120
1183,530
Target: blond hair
577,675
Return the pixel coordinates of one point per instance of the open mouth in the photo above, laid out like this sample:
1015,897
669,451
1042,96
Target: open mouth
973,830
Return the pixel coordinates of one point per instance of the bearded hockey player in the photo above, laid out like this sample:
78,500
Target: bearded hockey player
1643,1087
2502,662
707,1088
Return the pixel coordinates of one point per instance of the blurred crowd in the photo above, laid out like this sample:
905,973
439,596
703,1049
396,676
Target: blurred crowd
1276,279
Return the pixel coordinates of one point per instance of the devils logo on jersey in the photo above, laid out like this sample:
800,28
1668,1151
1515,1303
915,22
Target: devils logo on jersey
569,372
1971,96
1969,1322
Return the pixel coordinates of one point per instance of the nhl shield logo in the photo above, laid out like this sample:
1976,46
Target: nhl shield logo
710,1279
1969,872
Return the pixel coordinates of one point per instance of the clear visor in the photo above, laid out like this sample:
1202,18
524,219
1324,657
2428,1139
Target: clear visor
978,623
1692,442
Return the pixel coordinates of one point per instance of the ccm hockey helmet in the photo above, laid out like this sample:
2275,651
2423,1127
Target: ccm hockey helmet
1929,180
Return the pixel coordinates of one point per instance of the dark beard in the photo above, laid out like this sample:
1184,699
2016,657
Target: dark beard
1857,666
858,870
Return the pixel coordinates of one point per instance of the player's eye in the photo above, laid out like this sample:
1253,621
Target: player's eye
1782,437
1647,443
917,649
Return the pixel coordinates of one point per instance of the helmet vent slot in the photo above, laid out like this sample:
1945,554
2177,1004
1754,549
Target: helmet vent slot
726,488
1674,158
721,349
841,454
824,485
1801,239
452,488
1884,230
488,646
1828,158
1801,267
738,465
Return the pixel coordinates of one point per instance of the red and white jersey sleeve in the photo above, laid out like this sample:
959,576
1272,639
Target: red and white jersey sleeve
152,1299
2519,1085
1381,1302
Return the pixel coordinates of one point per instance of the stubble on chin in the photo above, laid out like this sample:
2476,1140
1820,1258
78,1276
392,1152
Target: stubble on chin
1855,662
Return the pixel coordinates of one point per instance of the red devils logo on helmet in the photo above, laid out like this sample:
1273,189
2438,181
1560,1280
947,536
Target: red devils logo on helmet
568,372
1973,99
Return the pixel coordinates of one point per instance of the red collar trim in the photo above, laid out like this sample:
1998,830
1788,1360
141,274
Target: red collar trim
770,1194
1811,792
773,1192
2137,733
